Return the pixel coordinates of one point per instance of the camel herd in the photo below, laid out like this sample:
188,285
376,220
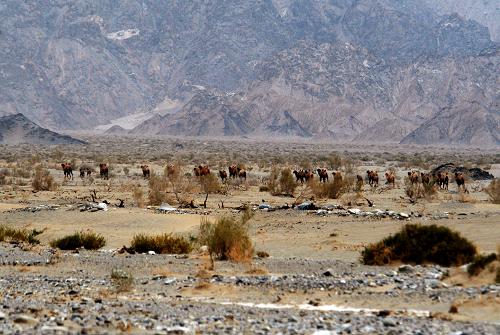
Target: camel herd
441,179
84,171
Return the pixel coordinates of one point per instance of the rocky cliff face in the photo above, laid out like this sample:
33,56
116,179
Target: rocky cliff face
341,69
17,129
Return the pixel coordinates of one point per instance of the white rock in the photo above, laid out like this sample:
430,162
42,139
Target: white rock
151,252
102,206
355,211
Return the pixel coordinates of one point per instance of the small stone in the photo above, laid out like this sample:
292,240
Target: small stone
328,273
406,269
2,315
23,318
389,322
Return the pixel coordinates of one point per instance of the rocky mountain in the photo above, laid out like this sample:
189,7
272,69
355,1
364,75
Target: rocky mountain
362,70
17,129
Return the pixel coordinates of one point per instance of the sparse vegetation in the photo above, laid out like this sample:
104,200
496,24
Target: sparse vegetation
493,191
331,190
209,184
86,239
157,189
122,280
479,263
42,180
419,190
227,238
161,244
138,195
421,244
19,234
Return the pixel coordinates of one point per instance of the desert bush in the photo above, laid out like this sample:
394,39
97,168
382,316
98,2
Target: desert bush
126,170
209,185
157,189
19,235
479,263
42,180
122,280
86,239
421,244
227,238
21,172
493,191
287,182
335,161
419,190
3,176
138,195
331,190
161,244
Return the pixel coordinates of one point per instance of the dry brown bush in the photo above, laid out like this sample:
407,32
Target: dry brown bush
182,186
138,195
331,190
493,191
227,238
42,180
157,189
419,190
209,185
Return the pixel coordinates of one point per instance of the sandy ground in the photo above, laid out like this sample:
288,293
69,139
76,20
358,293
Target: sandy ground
285,234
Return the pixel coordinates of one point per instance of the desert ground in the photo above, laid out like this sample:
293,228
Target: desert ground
306,274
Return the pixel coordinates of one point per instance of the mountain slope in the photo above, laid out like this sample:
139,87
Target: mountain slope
17,129
341,69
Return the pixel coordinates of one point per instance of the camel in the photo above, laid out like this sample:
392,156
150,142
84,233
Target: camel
200,170
85,170
299,176
145,171
233,171
413,177
390,178
171,170
104,171
460,180
223,175
242,174
372,178
67,170
323,175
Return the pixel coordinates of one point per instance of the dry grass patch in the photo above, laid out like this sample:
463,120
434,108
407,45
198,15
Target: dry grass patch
161,244
84,239
227,238
42,180
122,280
479,263
19,235
493,191
420,244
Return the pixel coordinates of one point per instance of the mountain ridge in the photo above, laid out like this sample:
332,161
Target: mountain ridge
243,68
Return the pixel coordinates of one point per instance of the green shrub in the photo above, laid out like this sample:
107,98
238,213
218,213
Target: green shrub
88,240
161,244
19,235
479,263
421,244
227,238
